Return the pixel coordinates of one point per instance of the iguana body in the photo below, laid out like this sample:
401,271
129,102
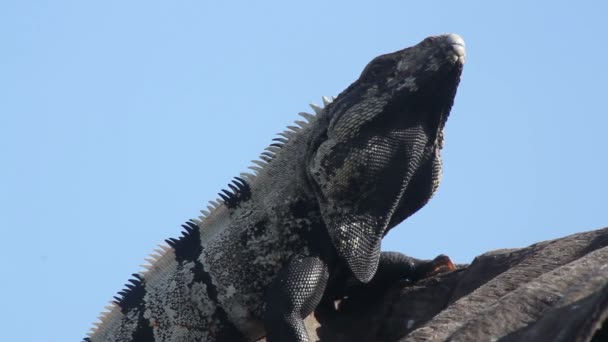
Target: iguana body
312,217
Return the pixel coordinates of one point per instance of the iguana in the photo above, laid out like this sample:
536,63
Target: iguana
309,222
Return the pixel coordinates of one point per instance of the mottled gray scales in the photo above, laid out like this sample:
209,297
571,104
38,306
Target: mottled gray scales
308,223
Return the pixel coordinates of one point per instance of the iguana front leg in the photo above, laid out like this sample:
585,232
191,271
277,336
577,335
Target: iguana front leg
293,295
392,268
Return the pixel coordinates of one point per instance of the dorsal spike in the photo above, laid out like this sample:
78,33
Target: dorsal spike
255,168
301,123
171,242
273,149
259,163
248,176
286,134
326,100
306,116
224,197
240,181
156,253
316,108
240,184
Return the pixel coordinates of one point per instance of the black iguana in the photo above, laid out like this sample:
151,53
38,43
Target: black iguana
310,219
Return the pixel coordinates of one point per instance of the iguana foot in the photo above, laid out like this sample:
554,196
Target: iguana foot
441,264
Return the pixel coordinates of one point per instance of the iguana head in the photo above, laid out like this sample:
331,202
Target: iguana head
382,134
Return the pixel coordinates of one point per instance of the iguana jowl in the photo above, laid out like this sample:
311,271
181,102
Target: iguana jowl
310,219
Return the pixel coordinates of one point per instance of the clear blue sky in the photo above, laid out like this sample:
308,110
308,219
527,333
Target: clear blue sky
120,119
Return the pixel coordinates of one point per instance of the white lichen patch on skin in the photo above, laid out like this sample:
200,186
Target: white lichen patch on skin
404,64
230,291
200,297
409,83
129,323
433,64
179,316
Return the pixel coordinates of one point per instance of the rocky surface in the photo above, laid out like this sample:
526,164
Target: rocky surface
550,291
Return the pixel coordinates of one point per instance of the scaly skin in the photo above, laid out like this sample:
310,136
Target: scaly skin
311,218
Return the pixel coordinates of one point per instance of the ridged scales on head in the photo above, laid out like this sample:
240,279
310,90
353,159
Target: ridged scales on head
318,202
124,310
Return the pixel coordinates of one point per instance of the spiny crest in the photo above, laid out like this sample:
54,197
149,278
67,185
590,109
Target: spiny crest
133,293
131,296
239,191
153,259
283,137
212,206
188,244
189,228
102,317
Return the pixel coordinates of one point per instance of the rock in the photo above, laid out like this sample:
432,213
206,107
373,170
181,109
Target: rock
550,291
